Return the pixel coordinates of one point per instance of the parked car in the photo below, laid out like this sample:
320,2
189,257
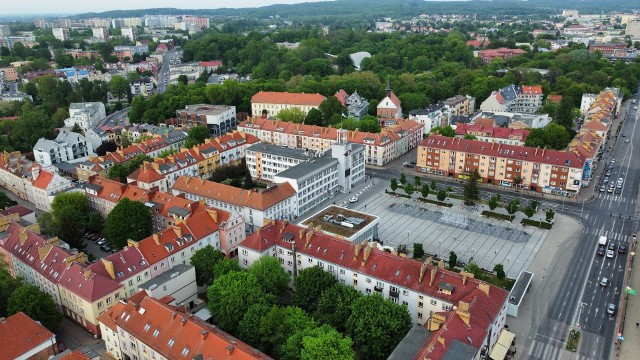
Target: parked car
102,241
611,309
105,248
603,189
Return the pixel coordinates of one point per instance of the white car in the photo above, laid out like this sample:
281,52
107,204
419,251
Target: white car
353,199
610,254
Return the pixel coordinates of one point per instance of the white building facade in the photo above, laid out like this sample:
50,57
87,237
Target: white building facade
85,115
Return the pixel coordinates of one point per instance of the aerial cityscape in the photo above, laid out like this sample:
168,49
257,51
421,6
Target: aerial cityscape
346,179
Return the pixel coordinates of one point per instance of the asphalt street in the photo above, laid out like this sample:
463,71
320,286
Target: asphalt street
164,69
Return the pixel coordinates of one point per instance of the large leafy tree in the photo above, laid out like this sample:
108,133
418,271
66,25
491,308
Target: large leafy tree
225,266
69,217
279,324
128,220
271,276
314,117
318,343
37,304
369,124
231,295
119,87
247,328
309,286
331,109
377,326
335,304
294,115
204,261
8,284
196,136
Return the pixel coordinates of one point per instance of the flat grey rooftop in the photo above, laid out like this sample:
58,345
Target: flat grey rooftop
278,151
520,287
307,168
165,276
411,343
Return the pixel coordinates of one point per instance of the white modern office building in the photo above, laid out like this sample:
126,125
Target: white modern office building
86,115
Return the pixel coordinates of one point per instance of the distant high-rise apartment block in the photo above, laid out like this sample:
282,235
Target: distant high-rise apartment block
130,33
61,34
100,33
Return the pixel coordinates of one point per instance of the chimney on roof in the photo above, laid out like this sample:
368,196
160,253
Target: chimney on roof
463,311
484,287
465,276
423,269
156,238
434,271
309,234
367,252
356,250
183,321
178,230
108,265
203,334
132,243
214,214
441,341
441,264
284,224
230,350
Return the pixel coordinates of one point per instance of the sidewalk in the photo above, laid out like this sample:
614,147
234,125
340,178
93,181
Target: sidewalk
630,347
548,270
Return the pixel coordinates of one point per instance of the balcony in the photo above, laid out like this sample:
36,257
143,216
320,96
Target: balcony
394,294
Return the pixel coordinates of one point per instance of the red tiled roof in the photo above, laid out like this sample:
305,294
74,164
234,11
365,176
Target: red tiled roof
544,156
342,96
259,200
391,268
532,90
20,334
272,97
556,99
145,174
155,324
210,63
594,125
16,209
87,284
492,131
43,180
75,355
126,263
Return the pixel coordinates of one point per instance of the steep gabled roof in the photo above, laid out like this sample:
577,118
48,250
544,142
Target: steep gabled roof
20,334
273,97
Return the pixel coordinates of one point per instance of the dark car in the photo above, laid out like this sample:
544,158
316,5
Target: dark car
618,191
601,250
612,246
105,248
622,249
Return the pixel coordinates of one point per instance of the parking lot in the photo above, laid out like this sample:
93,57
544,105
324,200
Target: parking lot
92,247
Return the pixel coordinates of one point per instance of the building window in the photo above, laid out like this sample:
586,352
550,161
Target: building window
420,304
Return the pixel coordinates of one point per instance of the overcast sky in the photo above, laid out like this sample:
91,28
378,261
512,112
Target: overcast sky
82,6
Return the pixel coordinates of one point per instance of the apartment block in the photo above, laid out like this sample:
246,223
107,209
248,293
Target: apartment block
146,328
86,115
394,140
429,292
61,34
486,56
541,170
267,104
220,119
66,147
179,283
277,201
199,22
100,33
141,87
130,33
432,116
10,73
493,134
460,105
127,267
514,98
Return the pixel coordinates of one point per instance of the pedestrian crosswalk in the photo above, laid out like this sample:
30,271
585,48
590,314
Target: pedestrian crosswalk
617,198
551,349
611,235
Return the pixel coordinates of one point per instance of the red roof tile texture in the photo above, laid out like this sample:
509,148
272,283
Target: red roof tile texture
19,334
86,283
272,97
170,332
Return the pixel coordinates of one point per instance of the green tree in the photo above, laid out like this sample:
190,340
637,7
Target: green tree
250,323
225,266
418,251
499,270
453,260
8,284
403,179
564,114
119,86
377,326
183,79
204,261
37,304
474,269
417,181
5,201
309,286
69,217
512,206
470,137
314,117
318,343
441,195
370,124
279,324
196,136
529,211
294,115
95,222
271,276
444,131
493,203
335,304
471,192
424,190
394,184
331,107
230,296
549,215
433,185
129,220
408,189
